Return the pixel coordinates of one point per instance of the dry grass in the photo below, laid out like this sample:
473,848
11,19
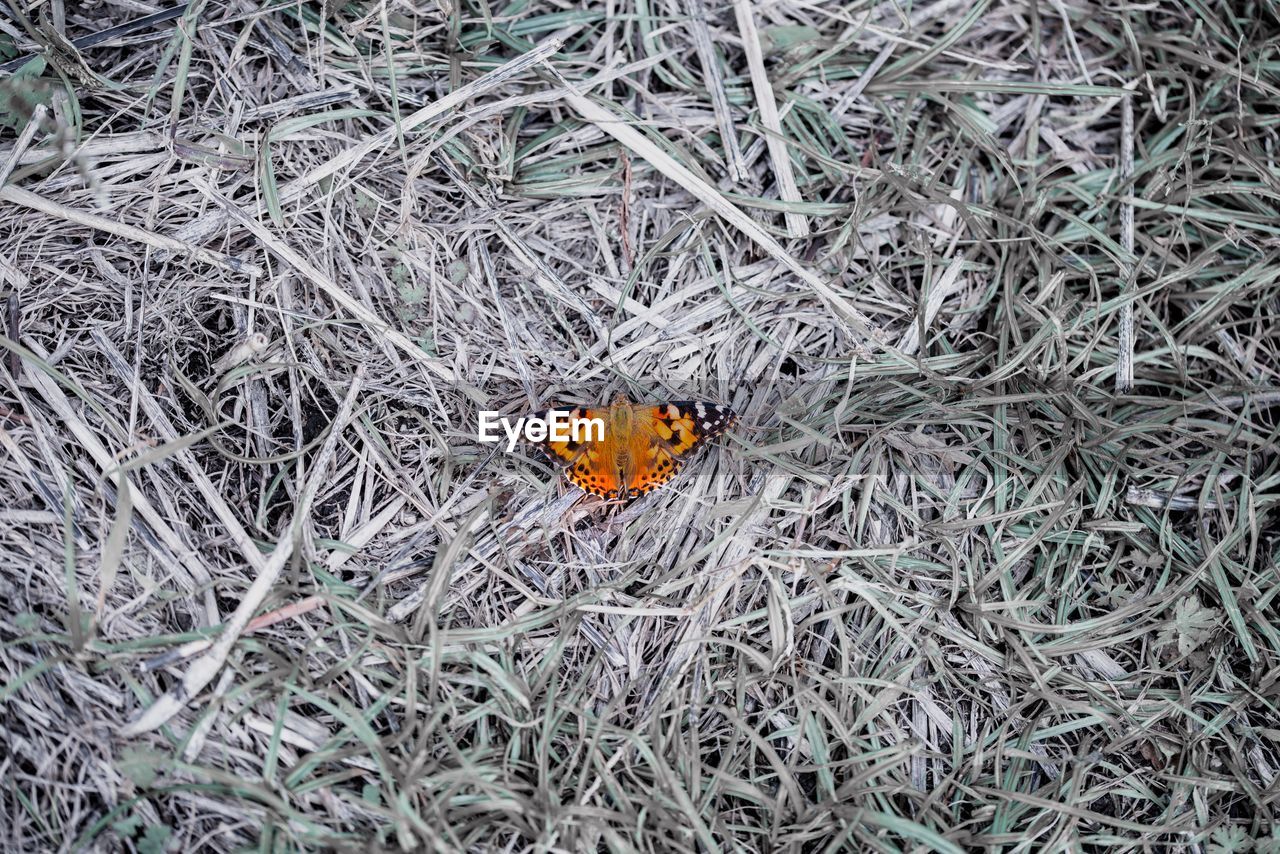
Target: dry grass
955,582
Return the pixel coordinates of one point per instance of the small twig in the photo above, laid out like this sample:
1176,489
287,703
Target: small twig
262,621
207,666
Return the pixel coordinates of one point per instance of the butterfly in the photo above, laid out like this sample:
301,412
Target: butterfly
643,446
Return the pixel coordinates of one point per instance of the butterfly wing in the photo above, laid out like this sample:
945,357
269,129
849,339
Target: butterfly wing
674,430
588,460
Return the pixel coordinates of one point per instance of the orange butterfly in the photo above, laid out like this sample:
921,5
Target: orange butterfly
643,447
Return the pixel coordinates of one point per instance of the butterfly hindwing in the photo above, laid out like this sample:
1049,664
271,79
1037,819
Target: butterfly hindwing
663,468
587,464
592,473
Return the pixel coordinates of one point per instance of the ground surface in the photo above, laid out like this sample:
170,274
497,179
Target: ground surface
952,582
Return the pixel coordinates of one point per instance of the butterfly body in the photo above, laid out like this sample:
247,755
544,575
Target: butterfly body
643,445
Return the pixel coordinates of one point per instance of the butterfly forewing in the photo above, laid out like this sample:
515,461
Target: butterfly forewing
703,420
674,430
